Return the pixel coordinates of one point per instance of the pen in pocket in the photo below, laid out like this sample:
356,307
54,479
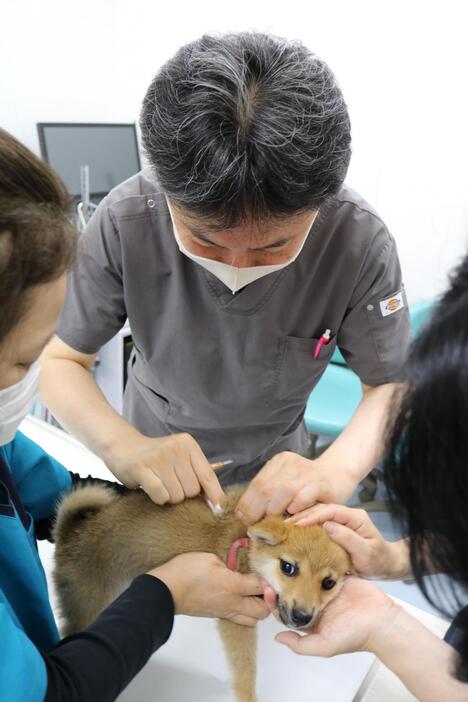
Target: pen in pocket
323,341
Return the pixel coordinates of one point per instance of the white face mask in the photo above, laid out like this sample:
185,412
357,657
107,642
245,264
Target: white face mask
234,278
15,403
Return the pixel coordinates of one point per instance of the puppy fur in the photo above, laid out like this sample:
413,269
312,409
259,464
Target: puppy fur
104,540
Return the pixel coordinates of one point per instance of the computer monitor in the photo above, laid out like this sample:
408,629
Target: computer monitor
109,150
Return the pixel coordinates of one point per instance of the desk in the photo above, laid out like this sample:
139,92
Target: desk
192,664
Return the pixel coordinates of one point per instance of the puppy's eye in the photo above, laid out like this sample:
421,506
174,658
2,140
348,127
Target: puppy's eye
289,568
328,583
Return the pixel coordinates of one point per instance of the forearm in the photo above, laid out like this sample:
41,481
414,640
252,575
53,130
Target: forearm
71,393
399,567
423,662
361,445
97,663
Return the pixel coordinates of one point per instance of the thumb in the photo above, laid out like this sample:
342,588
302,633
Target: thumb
288,638
248,584
308,496
270,597
346,538
310,645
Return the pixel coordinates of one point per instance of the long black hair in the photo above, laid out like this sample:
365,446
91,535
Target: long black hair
426,467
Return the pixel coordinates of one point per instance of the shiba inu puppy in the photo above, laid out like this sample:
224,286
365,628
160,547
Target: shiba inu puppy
104,540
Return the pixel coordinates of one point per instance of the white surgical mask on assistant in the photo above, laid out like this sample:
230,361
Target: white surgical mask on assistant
15,403
235,278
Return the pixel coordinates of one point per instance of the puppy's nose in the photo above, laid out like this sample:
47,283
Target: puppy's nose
300,617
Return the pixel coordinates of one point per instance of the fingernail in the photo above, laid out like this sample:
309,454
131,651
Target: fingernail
329,527
216,509
239,515
293,507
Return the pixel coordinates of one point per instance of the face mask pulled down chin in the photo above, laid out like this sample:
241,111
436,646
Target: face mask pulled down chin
15,403
234,278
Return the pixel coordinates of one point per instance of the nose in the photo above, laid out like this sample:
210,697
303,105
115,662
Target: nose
243,259
300,617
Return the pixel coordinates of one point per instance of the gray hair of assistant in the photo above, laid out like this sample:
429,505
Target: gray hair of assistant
246,126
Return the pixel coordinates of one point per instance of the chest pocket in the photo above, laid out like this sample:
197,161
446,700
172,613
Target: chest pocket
297,372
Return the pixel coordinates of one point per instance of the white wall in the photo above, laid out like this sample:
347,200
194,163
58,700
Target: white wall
402,66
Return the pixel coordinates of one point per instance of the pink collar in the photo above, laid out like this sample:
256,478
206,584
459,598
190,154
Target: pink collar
232,555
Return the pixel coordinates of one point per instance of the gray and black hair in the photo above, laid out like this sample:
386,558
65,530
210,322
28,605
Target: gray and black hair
246,125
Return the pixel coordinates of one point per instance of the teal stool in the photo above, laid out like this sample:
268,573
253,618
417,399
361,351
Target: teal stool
420,315
337,394
333,400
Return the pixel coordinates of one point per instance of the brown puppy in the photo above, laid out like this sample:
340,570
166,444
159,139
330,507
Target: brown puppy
104,540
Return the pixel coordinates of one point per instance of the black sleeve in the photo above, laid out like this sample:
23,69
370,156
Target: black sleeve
96,664
43,527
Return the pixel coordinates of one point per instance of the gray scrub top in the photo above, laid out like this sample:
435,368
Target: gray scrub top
234,371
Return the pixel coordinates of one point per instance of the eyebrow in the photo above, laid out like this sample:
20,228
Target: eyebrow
203,237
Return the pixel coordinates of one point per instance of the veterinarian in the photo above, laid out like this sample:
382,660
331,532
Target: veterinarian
234,256
425,471
37,244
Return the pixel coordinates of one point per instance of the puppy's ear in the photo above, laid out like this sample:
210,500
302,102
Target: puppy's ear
270,530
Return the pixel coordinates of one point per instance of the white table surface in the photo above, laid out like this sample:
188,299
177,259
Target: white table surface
192,664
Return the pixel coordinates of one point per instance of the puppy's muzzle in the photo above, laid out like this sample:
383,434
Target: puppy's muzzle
295,618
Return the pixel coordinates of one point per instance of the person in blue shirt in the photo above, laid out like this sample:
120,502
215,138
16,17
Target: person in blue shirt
37,244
